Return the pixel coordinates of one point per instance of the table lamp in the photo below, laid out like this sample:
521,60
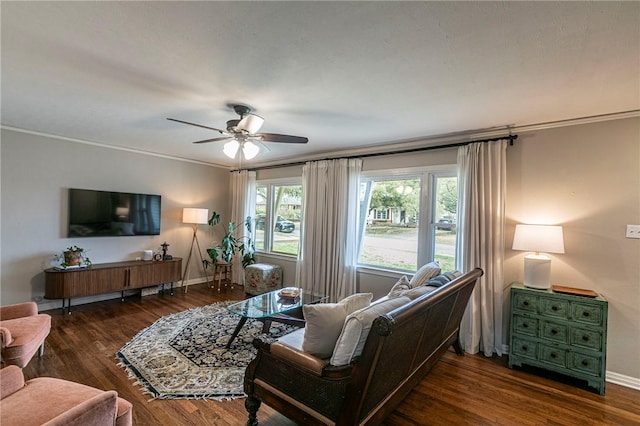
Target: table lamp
539,239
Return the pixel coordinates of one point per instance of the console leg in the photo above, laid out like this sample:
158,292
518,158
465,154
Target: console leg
252,405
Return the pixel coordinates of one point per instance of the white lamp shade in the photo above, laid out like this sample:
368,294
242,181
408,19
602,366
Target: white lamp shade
231,148
250,150
539,238
198,216
251,123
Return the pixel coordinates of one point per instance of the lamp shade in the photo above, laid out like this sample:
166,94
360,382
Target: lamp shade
538,238
251,123
198,216
250,150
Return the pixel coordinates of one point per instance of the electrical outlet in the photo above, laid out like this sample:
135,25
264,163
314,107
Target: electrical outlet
633,231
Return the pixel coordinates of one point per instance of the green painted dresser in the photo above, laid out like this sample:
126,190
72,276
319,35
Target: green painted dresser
559,332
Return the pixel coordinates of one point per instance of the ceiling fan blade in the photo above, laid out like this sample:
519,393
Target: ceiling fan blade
224,138
274,137
197,125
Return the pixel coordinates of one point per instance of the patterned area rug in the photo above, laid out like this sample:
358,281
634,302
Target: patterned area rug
183,355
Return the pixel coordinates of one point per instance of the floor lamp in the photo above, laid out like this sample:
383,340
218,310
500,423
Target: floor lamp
195,217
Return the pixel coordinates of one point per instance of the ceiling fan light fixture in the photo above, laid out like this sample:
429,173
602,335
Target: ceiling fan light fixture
231,148
250,123
250,150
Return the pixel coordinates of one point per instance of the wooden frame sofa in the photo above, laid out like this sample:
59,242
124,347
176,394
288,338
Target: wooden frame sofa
400,349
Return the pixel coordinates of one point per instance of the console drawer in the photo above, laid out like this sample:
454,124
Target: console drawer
525,325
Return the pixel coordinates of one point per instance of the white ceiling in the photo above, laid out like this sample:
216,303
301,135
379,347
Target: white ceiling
343,74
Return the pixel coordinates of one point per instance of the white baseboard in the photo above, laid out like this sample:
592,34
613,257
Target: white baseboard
622,380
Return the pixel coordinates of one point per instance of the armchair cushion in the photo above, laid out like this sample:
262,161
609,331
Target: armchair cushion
18,310
399,287
324,321
49,401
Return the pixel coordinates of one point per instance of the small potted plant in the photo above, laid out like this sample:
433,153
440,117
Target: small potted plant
230,244
74,256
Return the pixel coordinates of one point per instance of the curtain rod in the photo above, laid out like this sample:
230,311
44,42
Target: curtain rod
511,138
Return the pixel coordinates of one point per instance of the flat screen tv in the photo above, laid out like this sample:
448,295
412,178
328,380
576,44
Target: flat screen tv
107,214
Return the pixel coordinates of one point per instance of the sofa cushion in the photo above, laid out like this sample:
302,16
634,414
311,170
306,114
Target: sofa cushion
414,293
399,287
356,329
424,274
324,321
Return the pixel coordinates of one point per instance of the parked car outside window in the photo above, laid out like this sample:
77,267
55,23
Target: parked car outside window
282,224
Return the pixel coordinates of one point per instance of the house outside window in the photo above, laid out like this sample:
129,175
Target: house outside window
278,217
408,219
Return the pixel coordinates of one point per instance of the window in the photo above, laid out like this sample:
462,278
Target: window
278,218
407,220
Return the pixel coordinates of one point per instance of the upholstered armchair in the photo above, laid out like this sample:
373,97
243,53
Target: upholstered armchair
22,332
57,402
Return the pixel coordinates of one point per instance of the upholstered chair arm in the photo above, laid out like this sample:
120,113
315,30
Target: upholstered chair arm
5,337
12,380
19,310
99,410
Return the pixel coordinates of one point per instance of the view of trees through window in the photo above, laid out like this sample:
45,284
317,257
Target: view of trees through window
392,230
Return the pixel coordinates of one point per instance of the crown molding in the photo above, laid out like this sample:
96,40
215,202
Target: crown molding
454,137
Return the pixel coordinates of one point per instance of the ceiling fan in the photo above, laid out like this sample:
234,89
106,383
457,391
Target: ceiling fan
243,133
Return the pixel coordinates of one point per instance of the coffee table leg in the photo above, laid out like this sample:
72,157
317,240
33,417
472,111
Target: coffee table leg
236,331
266,326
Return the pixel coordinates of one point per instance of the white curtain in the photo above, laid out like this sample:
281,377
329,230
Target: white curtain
242,188
327,257
481,218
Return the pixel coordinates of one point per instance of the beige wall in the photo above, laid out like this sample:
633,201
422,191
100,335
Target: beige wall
36,173
587,179
584,177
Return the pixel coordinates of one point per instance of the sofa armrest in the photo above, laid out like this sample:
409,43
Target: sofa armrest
5,337
18,310
11,380
98,410
297,357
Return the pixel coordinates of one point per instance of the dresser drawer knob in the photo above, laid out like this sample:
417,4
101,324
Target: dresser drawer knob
554,308
525,303
585,314
525,325
525,347
553,355
554,331
585,363
585,338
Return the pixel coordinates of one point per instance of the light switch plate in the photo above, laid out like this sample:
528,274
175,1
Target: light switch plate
633,231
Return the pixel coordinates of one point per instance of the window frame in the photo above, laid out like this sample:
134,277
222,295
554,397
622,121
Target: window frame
427,210
270,213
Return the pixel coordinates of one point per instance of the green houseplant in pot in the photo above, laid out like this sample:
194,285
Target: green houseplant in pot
230,244
74,256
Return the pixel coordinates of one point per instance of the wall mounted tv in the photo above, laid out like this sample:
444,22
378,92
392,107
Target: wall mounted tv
108,214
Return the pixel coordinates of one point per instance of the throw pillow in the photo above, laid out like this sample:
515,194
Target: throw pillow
442,279
356,329
399,287
424,274
324,321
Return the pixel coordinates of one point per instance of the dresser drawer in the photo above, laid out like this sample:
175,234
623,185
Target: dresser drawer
525,325
588,313
586,339
554,331
590,364
554,308
554,356
525,348
525,302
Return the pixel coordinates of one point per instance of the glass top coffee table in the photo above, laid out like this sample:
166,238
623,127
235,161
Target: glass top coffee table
283,305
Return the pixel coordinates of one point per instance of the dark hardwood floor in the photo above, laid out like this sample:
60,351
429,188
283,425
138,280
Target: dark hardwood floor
468,390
